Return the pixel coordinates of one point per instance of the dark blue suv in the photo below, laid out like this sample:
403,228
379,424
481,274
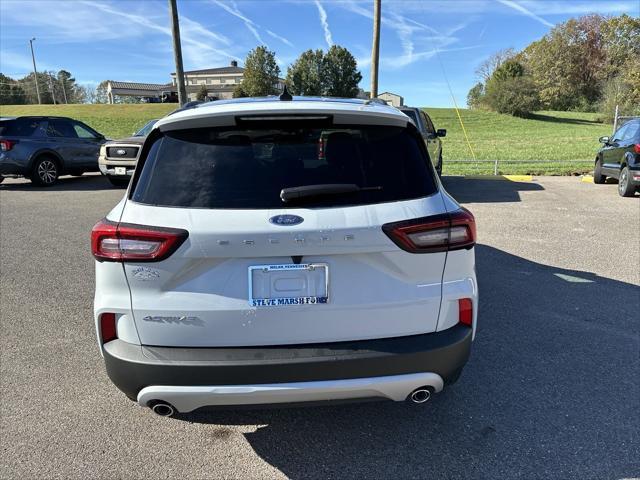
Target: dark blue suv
619,157
43,148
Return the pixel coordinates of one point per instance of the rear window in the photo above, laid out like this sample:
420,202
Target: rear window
20,127
248,168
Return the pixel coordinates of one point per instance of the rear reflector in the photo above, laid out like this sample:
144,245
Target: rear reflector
465,311
6,145
438,233
108,327
122,242
636,148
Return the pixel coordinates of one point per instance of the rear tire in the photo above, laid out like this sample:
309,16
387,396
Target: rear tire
625,186
118,181
45,172
598,177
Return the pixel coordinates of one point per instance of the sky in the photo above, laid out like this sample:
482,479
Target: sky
425,46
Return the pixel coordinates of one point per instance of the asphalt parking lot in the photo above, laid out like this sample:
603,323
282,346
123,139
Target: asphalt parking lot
552,389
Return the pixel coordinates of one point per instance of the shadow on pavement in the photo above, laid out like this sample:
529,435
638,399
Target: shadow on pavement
551,391
487,190
64,184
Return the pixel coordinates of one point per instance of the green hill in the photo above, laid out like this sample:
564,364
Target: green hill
558,138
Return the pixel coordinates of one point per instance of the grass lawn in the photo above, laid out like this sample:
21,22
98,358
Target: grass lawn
555,137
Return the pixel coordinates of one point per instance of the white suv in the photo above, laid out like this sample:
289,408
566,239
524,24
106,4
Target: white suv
272,251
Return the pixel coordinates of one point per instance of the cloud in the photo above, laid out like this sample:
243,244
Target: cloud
278,37
576,7
525,11
232,8
325,24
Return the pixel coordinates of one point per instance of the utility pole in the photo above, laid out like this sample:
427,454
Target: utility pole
177,52
35,72
375,49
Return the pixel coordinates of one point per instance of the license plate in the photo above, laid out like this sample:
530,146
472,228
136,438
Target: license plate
121,170
288,285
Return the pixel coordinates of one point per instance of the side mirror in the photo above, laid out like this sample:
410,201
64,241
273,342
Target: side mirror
441,132
604,140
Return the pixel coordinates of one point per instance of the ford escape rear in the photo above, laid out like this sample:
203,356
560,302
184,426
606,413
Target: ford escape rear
273,251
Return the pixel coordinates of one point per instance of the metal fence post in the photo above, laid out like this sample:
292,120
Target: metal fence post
615,121
495,167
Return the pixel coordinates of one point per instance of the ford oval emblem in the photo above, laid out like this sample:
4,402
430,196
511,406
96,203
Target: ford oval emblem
121,151
286,220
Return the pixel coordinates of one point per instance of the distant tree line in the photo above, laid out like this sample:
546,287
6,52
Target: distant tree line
54,87
331,74
591,63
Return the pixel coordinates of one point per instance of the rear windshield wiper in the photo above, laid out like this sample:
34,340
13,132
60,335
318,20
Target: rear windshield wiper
293,193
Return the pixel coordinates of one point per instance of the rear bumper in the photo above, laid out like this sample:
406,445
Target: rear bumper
139,370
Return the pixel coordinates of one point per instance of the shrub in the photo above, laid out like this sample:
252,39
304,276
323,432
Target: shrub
512,95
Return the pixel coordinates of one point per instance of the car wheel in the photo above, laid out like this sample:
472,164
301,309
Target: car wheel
598,177
119,181
439,166
625,187
45,172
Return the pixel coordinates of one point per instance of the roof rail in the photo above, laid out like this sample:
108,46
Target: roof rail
186,106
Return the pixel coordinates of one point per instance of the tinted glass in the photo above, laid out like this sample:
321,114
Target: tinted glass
247,168
633,131
82,131
144,131
428,123
21,127
413,116
61,128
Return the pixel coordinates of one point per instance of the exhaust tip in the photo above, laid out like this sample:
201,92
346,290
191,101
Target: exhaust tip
163,409
420,395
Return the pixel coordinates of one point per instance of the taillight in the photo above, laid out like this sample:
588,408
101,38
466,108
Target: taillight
108,327
465,311
124,242
636,148
6,145
438,233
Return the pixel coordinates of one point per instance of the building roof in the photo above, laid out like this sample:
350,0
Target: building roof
140,86
214,71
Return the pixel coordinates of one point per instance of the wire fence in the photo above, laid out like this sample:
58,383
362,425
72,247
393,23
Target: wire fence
513,167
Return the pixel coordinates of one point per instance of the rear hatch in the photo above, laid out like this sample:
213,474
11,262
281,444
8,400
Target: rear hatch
259,270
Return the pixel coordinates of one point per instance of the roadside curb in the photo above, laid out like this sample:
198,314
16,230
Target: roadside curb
586,179
509,178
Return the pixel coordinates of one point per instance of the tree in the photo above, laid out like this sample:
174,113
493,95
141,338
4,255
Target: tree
101,95
238,91
475,97
202,93
515,96
510,90
10,91
305,76
261,73
341,75
490,65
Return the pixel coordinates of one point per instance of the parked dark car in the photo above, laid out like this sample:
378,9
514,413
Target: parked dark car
429,133
619,157
118,158
43,148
